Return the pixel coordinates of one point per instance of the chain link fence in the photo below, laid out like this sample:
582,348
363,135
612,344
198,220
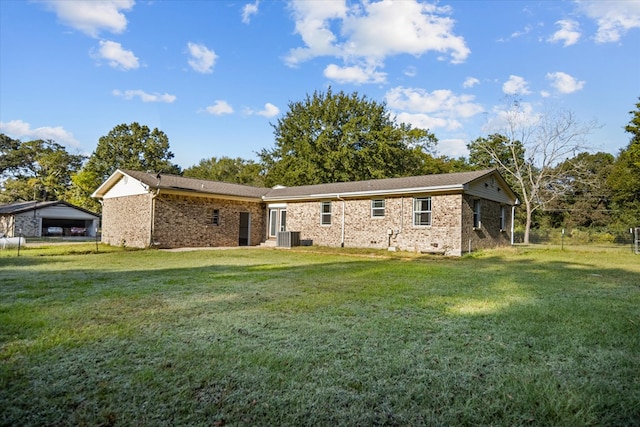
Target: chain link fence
628,240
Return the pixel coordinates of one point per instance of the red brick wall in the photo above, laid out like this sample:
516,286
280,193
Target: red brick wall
446,234
183,221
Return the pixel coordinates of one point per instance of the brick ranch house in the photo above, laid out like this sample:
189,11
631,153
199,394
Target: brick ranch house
445,213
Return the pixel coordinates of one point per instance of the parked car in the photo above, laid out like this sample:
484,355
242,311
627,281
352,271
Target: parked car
54,231
78,231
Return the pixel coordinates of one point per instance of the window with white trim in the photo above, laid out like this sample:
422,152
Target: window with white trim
377,208
477,223
422,211
213,216
325,213
503,218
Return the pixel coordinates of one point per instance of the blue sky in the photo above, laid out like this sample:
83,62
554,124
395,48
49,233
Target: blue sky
214,75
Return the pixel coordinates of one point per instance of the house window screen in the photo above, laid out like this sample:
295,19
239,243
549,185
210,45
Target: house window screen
377,208
325,213
213,216
477,223
422,211
503,220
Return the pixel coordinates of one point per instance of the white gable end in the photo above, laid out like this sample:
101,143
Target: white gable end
126,186
490,188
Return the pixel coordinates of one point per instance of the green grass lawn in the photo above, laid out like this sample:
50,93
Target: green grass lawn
331,337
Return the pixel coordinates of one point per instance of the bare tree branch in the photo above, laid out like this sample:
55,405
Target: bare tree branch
529,146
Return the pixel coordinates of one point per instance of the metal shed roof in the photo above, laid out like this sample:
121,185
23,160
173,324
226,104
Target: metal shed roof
21,207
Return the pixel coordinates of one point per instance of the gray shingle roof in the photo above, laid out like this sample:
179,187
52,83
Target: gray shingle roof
175,182
373,186
395,185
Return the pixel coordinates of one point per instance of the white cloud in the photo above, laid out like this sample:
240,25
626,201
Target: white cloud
355,74
614,17
19,129
368,32
425,121
516,85
248,10
453,147
527,29
389,28
116,55
269,110
503,118
437,109
91,16
219,108
564,83
438,101
411,71
313,20
202,59
569,32
470,82
144,96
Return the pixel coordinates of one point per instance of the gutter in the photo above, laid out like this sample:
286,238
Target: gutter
392,192
513,220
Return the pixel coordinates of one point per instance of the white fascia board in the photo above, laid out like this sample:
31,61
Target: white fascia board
353,194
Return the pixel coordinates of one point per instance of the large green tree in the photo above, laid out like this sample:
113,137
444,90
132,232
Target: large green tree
126,146
227,169
132,146
625,176
528,150
8,154
35,170
337,137
587,199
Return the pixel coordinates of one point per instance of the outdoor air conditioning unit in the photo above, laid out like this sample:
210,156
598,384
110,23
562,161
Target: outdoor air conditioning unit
288,239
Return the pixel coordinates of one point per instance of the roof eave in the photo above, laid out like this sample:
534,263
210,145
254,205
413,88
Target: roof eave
356,194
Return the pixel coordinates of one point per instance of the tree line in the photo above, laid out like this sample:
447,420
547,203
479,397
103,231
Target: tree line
338,137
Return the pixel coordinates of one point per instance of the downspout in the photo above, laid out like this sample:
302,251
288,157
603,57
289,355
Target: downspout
153,217
401,216
399,230
342,231
101,201
513,215
153,210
